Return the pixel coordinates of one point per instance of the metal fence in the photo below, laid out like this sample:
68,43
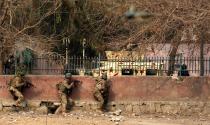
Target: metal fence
160,66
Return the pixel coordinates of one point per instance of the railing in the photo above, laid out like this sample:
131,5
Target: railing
160,66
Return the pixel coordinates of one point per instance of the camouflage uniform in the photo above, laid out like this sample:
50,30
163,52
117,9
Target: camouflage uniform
63,88
101,91
15,87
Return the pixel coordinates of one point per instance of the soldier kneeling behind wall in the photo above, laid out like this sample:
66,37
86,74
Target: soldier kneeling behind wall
64,89
16,86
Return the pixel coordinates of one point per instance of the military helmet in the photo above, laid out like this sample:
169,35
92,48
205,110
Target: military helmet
68,75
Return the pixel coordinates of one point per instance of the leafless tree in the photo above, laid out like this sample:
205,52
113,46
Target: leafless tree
17,20
104,25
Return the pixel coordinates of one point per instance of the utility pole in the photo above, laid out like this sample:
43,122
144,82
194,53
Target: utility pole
66,42
83,52
83,48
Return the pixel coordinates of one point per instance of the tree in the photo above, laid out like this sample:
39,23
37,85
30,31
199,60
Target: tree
16,29
103,23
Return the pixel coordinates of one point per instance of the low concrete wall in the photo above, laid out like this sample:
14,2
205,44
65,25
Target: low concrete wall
122,88
160,88
45,88
131,94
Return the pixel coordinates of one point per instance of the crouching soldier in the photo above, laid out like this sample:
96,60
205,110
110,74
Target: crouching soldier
16,86
64,88
101,91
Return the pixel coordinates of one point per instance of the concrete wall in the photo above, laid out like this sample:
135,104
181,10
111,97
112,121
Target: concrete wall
122,88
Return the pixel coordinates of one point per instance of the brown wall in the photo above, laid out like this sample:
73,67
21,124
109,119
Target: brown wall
122,88
160,88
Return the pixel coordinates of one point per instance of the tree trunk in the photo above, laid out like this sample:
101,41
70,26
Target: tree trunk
1,67
172,56
69,3
36,4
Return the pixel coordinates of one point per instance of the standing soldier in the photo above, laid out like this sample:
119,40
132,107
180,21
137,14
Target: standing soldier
16,86
101,91
63,89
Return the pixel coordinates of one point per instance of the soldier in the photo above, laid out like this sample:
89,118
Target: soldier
101,91
16,86
63,90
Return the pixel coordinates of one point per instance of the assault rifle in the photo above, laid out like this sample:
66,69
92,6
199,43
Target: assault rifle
76,83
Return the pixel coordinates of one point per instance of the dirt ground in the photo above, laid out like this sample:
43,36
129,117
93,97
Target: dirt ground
93,118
